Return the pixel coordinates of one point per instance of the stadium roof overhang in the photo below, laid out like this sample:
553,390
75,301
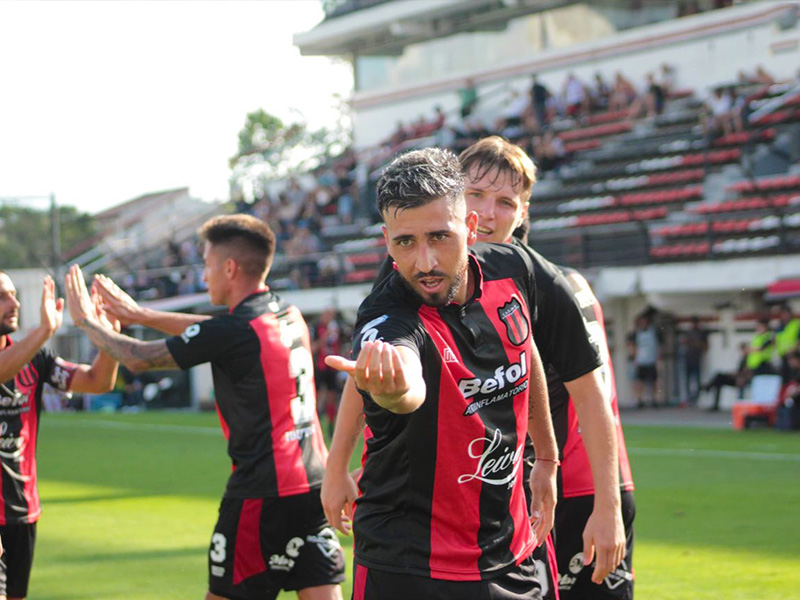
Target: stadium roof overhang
387,28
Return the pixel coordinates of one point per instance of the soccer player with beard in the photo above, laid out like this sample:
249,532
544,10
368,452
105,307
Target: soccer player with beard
271,533
25,367
451,383
499,179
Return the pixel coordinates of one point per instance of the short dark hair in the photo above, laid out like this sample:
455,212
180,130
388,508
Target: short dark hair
418,177
249,240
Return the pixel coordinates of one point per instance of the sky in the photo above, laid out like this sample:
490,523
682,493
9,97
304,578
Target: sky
101,102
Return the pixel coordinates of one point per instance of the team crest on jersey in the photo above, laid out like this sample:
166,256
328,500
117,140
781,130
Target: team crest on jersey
517,326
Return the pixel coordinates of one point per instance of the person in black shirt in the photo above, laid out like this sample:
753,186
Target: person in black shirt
572,340
451,382
271,533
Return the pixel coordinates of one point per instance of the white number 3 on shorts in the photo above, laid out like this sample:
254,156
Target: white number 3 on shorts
217,553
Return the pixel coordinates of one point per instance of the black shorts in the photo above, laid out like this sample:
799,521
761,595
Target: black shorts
519,583
263,545
17,560
575,581
646,373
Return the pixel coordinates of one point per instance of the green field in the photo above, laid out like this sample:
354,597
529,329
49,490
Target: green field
130,501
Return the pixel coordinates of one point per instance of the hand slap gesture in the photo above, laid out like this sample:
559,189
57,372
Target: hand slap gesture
391,375
52,311
79,302
115,301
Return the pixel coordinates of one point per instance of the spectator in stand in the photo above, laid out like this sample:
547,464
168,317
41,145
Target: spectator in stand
295,193
762,76
549,152
738,379
399,136
667,79
739,109
624,93
303,243
439,118
469,98
346,205
717,111
510,122
761,349
188,283
576,100
695,346
652,99
286,212
601,93
539,94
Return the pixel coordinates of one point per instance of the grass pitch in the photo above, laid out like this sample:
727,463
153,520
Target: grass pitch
130,502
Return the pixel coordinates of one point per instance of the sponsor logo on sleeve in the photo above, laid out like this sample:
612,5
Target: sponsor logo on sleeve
190,332
369,332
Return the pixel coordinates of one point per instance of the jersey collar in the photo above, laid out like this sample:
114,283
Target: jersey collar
258,291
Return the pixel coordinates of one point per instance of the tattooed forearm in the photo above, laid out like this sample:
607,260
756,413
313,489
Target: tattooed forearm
134,354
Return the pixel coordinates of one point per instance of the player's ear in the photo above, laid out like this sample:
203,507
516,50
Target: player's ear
385,235
231,268
522,214
472,227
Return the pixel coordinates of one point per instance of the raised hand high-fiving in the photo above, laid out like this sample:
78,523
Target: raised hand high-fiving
52,310
116,302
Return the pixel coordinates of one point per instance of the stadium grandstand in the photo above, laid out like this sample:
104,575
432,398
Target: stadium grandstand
666,133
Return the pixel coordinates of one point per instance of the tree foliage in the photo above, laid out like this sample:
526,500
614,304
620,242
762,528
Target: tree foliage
270,149
26,234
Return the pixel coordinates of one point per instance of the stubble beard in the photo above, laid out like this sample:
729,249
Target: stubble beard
5,329
439,299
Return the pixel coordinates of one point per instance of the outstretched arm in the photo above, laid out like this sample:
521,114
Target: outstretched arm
134,354
119,304
101,375
13,359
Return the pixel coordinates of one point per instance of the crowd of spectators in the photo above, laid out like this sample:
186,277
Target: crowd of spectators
308,206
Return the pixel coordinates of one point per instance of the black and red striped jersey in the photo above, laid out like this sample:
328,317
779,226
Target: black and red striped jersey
576,473
20,409
442,491
263,370
571,338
